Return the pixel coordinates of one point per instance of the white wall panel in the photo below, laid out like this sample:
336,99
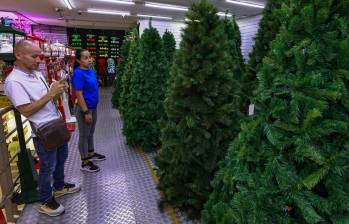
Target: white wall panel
248,28
162,26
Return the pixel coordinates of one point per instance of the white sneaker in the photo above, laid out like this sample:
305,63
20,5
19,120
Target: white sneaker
51,208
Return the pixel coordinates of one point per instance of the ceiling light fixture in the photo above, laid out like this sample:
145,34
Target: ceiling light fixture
68,4
119,2
108,12
156,17
246,4
189,20
224,14
165,6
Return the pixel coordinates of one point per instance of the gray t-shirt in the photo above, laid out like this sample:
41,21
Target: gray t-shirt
23,88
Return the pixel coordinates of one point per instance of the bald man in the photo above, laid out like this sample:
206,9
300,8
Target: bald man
30,94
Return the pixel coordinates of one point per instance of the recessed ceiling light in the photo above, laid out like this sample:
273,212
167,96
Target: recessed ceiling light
125,2
166,6
108,12
189,20
157,17
246,4
67,3
224,14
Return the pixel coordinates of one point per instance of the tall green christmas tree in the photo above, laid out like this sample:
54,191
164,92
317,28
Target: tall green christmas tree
200,111
129,72
290,162
238,67
147,87
169,46
269,27
169,49
115,100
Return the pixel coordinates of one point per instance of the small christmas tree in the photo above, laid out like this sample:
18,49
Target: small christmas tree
120,71
290,162
129,72
169,46
199,109
147,87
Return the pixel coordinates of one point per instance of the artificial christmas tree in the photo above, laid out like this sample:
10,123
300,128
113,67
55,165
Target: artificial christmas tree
268,29
147,87
115,100
239,98
169,50
128,73
200,111
169,46
290,162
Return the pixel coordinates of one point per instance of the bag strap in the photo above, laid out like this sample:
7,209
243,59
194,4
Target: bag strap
45,84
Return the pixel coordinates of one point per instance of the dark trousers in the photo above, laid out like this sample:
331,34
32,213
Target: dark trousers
51,166
86,131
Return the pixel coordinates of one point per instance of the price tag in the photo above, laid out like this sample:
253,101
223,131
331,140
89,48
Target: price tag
251,110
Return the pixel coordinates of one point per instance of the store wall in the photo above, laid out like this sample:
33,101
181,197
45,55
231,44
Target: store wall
162,26
248,27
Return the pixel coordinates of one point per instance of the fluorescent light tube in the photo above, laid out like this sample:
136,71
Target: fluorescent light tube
119,2
108,12
165,6
246,4
68,4
224,14
157,17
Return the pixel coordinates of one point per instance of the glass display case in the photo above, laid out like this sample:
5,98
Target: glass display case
8,39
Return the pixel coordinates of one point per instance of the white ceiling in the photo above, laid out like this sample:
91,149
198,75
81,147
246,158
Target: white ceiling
45,11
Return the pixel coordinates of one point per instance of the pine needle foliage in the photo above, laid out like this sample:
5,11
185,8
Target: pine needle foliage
289,163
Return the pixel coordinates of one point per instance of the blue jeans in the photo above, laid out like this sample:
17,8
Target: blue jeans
51,165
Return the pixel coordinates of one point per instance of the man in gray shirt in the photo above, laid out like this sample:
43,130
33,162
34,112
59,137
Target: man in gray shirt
29,93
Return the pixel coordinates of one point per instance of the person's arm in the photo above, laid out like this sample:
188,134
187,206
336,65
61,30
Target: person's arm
29,109
84,108
81,101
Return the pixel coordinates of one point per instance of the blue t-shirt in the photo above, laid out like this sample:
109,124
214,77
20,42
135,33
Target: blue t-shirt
86,81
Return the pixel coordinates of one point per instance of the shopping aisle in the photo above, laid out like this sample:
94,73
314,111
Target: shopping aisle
122,192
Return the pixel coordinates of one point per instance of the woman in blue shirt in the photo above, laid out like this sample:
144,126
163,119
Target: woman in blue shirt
86,88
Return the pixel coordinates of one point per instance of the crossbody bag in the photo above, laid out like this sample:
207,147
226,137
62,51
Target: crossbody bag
52,134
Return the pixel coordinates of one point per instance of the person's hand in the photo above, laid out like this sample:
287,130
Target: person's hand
57,88
88,118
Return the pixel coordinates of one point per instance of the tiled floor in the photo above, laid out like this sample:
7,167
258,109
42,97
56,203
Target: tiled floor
122,192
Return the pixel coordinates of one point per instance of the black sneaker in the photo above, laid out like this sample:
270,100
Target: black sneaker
89,167
97,157
51,208
67,189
